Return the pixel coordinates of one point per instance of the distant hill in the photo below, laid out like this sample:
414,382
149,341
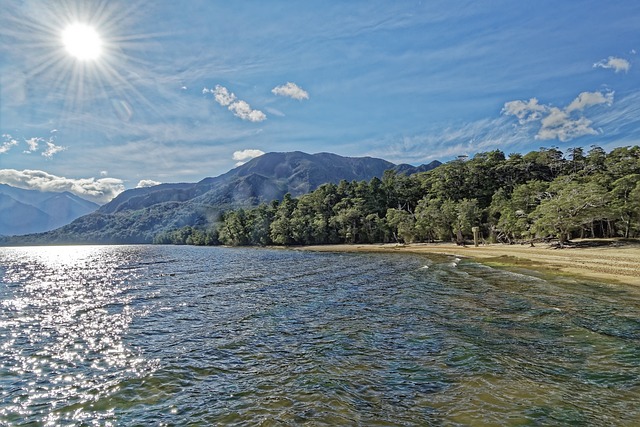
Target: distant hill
137,215
31,211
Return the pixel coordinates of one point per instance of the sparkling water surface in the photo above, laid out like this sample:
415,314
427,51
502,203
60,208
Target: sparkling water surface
165,335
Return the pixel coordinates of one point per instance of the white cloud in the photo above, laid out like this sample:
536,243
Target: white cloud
245,155
240,108
98,190
223,96
588,99
245,112
559,125
556,123
617,64
291,90
147,183
52,149
33,144
525,111
8,143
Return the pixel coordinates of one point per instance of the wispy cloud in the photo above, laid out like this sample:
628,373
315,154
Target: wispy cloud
556,123
245,155
543,121
98,190
291,90
33,145
452,141
7,143
617,64
240,108
52,149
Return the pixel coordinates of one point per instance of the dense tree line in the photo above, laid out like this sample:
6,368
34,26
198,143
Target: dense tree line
540,195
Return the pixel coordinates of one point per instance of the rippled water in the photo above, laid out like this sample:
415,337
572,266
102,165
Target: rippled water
153,335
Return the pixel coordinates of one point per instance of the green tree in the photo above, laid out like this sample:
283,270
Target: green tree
623,161
435,219
626,203
468,215
259,225
402,225
234,229
348,217
508,222
570,205
281,227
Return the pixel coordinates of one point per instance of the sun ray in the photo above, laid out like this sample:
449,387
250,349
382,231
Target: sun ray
74,89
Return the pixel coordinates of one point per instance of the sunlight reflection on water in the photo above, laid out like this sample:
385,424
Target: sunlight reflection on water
67,317
175,335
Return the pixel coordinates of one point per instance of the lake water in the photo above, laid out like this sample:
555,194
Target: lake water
162,335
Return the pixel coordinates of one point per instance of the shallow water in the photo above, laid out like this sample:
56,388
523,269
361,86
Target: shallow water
162,335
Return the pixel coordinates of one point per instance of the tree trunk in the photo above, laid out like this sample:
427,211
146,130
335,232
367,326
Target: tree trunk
561,239
627,226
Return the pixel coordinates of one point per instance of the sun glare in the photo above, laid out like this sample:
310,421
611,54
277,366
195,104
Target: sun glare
82,41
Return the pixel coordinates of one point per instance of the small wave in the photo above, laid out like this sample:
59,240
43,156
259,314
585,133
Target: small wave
144,264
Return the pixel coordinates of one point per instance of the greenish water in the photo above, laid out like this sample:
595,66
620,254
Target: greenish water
152,335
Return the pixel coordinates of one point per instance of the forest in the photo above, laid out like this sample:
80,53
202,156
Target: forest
543,195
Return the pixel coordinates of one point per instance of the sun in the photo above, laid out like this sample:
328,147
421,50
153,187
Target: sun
82,41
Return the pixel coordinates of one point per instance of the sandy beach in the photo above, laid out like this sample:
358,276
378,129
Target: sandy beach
609,261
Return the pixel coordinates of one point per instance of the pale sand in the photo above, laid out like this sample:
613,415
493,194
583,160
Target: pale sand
616,262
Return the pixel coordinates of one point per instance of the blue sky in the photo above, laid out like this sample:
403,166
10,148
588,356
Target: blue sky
187,90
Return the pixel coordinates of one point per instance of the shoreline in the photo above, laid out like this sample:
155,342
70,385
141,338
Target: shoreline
616,261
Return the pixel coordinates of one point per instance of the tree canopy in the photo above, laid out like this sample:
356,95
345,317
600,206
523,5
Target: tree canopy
540,195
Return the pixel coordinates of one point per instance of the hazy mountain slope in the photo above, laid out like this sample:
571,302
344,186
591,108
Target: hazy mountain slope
20,218
30,211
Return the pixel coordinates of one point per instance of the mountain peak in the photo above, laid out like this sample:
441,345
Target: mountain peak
261,180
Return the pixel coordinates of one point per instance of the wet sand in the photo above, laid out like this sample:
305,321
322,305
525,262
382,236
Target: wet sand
602,260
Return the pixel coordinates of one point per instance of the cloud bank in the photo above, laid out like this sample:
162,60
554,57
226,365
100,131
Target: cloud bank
244,156
616,64
97,190
556,123
291,90
237,106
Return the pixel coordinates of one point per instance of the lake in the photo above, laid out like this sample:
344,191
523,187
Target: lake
172,335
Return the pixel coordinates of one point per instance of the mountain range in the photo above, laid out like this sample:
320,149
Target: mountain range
137,215
31,211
